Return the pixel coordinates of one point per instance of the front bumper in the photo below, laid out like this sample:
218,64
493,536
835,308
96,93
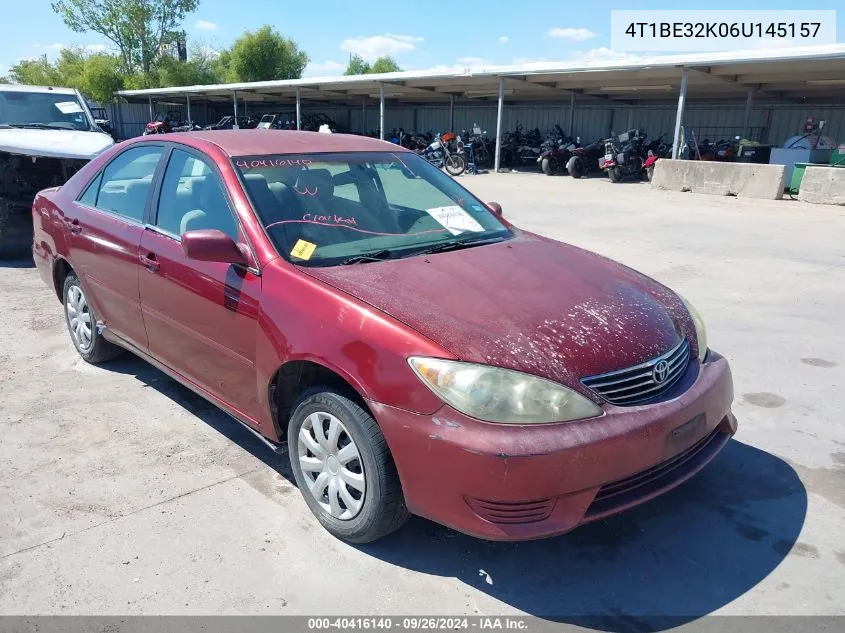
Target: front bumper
504,482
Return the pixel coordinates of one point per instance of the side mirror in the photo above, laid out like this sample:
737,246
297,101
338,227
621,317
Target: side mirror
211,245
495,207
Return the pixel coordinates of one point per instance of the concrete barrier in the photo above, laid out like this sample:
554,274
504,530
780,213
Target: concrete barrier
823,185
744,180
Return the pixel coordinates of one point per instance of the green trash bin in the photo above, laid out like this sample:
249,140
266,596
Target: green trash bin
837,157
797,177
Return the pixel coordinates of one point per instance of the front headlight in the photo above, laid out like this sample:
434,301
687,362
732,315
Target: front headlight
501,395
700,331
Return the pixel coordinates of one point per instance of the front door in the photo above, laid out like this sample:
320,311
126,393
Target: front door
201,317
105,227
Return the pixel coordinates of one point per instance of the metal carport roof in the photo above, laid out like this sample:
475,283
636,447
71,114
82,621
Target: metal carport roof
787,75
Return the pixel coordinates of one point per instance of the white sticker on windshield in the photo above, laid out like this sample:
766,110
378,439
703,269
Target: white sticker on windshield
69,107
455,219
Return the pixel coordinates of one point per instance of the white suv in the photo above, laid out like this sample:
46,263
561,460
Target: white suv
46,135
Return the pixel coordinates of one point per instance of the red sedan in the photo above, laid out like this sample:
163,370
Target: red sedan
415,351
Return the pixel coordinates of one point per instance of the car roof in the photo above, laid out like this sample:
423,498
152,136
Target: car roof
25,88
266,142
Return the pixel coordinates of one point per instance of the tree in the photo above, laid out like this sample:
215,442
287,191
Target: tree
35,72
141,29
101,78
96,76
357,65
200,68
384,64
265,55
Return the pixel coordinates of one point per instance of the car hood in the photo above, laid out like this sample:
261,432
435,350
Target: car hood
529,303
54,143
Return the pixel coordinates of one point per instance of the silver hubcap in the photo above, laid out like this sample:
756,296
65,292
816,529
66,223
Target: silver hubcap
331,465
78,318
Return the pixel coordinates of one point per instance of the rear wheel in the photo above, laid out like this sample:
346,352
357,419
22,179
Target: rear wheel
615,174
343,467
549,165
455,165
82,324
575,167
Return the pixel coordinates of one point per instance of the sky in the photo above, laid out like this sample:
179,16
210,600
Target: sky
419,35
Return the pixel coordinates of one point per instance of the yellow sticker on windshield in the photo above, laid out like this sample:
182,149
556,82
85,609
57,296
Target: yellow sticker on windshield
303,249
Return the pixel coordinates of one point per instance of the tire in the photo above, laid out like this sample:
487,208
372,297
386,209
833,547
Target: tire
93,348
649,172
615,174
382,505
455,165
575,167
15,232
550,166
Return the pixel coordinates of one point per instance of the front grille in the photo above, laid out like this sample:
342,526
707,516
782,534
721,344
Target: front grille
511,511
639,383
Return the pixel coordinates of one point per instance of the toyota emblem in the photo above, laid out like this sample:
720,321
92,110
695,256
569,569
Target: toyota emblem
660,372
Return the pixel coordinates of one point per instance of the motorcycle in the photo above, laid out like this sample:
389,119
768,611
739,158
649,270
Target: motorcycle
655,150
585,160
623,156
439,155
187,126
556,152
477,145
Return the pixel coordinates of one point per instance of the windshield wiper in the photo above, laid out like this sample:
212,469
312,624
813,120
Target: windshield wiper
37,126
375,256
467,242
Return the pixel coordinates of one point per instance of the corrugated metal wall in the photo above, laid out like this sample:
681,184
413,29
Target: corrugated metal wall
591,121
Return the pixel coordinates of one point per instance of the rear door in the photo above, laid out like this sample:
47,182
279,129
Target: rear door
106,224
201,317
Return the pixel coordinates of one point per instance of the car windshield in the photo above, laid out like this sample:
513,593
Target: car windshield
329,209
42,110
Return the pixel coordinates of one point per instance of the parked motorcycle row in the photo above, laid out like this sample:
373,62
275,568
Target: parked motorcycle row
171,122
625,156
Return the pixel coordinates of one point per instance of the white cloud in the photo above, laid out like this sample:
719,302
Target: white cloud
205,25
503,39
375,46
577,35
603,55
55,46
472,61
95,48
528,60
326,69
443,69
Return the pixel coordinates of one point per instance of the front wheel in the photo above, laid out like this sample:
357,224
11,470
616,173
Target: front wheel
343,467
455,165
82,325
549,165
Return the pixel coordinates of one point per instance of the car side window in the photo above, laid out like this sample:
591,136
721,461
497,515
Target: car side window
126,182
192,198
90,196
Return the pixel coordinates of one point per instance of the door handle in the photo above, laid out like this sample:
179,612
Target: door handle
149,262
75,228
